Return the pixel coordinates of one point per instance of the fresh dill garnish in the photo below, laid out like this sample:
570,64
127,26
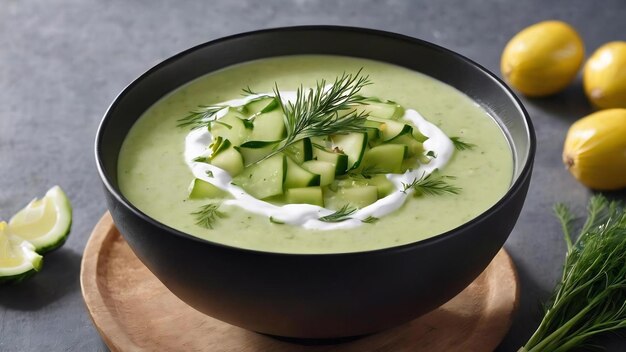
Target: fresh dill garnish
203,116
248,91
590,298
200,159
461,145
208,214
431,154
342,214
209,173
431,184
367,173
318,111
370,220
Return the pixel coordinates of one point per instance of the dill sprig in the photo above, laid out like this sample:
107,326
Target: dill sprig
370,219
431,184
591,296
342,214
461,145
318,111
202,116
208,214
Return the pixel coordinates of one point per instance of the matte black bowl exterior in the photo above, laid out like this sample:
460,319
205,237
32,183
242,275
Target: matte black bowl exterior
323,295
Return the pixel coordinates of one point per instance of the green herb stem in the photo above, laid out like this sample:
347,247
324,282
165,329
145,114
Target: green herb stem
591,297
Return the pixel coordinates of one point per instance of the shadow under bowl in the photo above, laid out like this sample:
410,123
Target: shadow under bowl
315,296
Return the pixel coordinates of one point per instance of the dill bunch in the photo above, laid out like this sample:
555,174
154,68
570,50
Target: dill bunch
591,296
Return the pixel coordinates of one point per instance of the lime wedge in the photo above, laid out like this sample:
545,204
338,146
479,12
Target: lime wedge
44,222
18,259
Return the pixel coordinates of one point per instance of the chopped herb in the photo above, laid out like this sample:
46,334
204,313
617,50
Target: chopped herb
248,91
342,214
461,145
200,159
431,185
208,214
370,220
203,116
209,173
431,154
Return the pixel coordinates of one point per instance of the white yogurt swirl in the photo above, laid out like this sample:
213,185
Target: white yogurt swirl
307,215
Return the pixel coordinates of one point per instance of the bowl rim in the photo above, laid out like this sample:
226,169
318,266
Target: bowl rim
457,231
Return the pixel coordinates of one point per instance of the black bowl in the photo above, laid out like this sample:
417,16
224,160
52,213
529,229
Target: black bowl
318,295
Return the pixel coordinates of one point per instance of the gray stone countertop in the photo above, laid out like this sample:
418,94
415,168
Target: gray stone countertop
63,61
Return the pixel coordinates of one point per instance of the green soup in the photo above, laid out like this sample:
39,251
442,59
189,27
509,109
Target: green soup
153,174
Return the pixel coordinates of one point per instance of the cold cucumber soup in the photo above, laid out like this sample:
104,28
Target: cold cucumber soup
315,154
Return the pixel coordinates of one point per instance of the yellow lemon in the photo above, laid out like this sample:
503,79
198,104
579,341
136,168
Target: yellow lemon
595,150
542,59
604,76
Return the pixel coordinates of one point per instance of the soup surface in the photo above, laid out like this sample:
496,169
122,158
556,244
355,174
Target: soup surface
154,176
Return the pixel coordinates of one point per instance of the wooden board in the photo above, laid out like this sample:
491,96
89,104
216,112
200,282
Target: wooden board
133,311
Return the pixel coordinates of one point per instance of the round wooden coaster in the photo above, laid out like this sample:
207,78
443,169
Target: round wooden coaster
133,311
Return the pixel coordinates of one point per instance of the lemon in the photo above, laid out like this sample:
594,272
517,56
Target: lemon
604,76
44,222
595,150
542,59
18,258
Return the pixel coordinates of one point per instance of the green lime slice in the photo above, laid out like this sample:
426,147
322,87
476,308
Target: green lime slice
18,258
44,222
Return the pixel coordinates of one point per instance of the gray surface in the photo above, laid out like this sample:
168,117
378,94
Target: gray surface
63,62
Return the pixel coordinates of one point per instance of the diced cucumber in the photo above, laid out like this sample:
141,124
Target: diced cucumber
300,151
393,129
381,109
231,127
264,179
261,104
374,133
268,126
339,160
200,189
382,184
252,155
298,177
357,196
325,169
385,158
228,159
305,195
353,145
414,146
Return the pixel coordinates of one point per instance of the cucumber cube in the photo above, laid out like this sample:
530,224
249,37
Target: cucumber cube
300,151
353,145
305,195
357,196
268,126
380,109
231,127
200,189
264,179
228,159
325,169
339,160
385,158
298,177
